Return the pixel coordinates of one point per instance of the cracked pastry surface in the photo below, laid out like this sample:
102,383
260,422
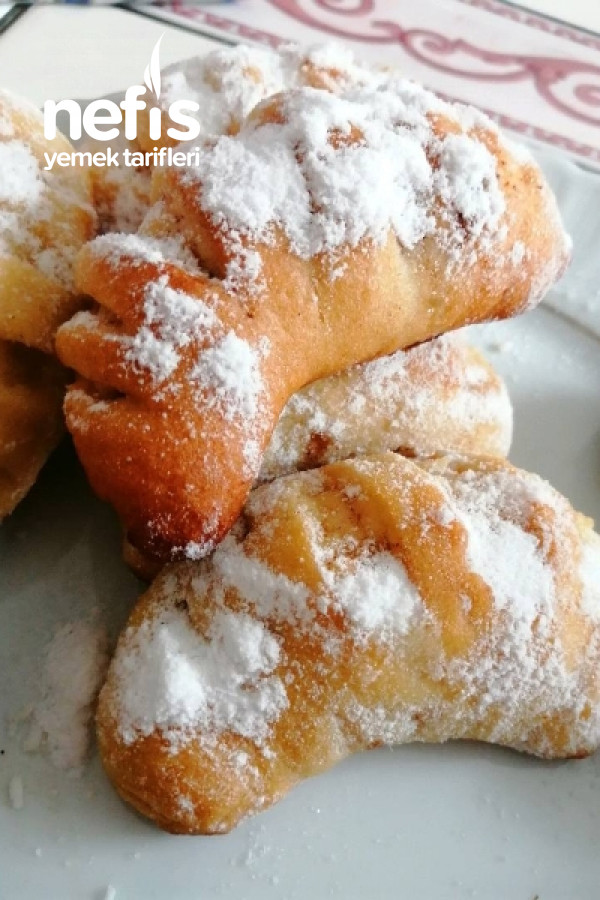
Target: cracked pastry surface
334,229
373,601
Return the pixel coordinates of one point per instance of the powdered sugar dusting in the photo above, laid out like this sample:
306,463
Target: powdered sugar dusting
183,336
20,180
589,571
377,595
434,398
231,371
271,594
370,587
173,679
32,198
172,320
520,662
115,247
510,683
494,509
228,83
339,169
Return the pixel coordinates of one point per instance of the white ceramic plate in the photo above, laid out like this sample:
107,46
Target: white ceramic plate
422,823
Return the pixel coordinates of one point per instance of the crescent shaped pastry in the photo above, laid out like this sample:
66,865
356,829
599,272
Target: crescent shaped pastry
373,601
329,231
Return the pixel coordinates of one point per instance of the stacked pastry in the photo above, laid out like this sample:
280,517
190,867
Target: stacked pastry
45,218
410,584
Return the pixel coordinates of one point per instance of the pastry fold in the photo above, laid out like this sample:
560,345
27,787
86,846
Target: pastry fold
374,601
298,269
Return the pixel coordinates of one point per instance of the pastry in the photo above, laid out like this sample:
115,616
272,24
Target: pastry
122,194
45,217
121,197
227,83
442,397
439,397
373,601
32,386
330,230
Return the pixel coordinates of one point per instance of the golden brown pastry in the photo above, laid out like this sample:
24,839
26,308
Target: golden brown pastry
45,218
373,601
442,397
439,397
227,83
334,229
32,386
122,195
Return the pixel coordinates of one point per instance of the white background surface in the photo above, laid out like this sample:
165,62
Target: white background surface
585,13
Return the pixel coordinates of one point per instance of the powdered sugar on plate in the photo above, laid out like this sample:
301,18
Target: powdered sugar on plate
74,667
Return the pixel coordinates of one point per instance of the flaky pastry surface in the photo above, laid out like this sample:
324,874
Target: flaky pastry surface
373,601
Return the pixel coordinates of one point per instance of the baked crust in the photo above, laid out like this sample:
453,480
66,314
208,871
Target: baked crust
442,397
374,601
32,386
44,221
45,218
177,452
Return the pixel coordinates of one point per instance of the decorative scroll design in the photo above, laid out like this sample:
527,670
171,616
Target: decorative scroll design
569,85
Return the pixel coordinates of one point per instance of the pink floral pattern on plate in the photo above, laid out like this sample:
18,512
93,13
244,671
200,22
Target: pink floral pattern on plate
536,76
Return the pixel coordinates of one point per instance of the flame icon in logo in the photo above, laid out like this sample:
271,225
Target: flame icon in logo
152,71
